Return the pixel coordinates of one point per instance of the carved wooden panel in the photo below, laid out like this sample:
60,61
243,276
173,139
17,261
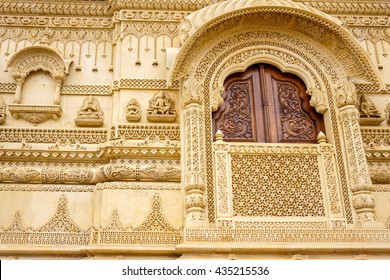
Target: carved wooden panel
263,104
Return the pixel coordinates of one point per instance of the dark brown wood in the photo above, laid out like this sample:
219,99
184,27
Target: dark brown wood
263,104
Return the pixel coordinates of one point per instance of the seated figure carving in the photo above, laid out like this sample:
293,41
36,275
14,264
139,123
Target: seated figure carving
90,113
133,112
161,108
369,114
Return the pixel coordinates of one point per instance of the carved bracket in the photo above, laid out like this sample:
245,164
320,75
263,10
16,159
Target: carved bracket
35,113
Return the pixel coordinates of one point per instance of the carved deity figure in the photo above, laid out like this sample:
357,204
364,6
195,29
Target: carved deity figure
161,108
367,108
90,113
160,104
2,110
133,112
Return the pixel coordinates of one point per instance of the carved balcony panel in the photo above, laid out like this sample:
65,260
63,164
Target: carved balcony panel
35,114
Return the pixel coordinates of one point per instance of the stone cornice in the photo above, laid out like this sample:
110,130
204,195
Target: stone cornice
50,7
368,7
191,5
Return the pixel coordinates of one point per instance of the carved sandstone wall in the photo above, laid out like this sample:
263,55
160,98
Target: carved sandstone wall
106,137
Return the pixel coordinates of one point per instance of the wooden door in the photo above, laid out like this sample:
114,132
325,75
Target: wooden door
263,104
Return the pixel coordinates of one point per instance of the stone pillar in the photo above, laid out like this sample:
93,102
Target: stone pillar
362,200
195,159
18,91
57,94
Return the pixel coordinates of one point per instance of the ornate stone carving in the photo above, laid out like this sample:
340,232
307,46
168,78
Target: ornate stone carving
90,114
289,186
59,230
318,99
114,172
345,93
236,120
133,110
154,230
3,108
294,123
161,108
387,112
192,91
369,114
380,173
160,172
35,114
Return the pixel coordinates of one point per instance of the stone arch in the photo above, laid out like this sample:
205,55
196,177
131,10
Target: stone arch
31,59
229,37
36,58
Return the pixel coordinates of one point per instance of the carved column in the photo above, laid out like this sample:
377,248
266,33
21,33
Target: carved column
362,200
195,173
57,93
18,92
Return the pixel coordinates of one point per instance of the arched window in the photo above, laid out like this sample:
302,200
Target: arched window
265,105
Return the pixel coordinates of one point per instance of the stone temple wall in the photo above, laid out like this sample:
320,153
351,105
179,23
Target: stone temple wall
106,142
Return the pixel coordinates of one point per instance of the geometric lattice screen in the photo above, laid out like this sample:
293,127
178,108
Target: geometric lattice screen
276,185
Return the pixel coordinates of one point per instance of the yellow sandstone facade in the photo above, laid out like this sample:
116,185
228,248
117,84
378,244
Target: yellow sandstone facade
108,139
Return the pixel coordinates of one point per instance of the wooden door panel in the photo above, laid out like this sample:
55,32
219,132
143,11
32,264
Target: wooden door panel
265,105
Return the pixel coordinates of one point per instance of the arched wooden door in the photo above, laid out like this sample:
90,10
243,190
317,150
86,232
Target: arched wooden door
265,105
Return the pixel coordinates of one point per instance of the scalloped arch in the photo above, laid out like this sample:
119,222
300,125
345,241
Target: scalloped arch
38,58
207,24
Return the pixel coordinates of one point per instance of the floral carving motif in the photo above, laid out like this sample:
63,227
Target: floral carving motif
19,174
294,123
112,172
161,172
236,122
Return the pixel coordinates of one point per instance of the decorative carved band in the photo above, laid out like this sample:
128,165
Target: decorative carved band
141,132
86,89
138,186
146,84
376,137
45,188
285,236
7,87
53,135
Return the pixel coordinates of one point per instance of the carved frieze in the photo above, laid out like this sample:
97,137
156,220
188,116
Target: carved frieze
90,114
161,108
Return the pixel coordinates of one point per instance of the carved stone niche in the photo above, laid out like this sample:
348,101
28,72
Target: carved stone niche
369,114
3,108
90,114
161,108
32,59
133,110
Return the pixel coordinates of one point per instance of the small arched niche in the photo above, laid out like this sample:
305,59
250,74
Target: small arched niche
263,104
38,88
39,72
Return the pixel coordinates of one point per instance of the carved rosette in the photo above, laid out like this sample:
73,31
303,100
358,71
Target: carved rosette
194,167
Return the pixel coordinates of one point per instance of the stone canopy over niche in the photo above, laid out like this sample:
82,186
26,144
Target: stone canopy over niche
33,59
